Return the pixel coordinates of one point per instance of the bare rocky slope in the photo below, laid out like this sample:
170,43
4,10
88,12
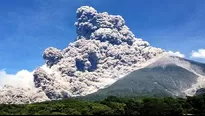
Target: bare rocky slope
168,76
104,51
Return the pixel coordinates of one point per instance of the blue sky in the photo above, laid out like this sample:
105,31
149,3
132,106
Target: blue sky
27,27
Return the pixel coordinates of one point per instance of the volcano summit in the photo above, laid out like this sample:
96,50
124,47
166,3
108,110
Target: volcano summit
105,51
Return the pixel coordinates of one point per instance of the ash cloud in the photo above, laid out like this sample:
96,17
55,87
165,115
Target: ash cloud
104,50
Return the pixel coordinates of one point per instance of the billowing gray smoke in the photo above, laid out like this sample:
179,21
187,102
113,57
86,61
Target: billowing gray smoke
52,56
102,26
104,51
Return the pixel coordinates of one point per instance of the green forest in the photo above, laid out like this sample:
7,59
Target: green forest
111,106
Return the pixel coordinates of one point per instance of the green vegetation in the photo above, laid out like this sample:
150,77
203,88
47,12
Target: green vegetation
111,106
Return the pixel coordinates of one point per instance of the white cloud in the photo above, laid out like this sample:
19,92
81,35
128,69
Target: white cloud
176,54
22,79
198,54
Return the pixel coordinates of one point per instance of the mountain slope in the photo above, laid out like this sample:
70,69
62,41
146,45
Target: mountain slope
105,50
96,59
162,78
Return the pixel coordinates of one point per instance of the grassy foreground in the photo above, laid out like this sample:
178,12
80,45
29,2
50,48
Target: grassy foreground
111,106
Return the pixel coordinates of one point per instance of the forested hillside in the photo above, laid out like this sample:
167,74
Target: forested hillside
111,106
